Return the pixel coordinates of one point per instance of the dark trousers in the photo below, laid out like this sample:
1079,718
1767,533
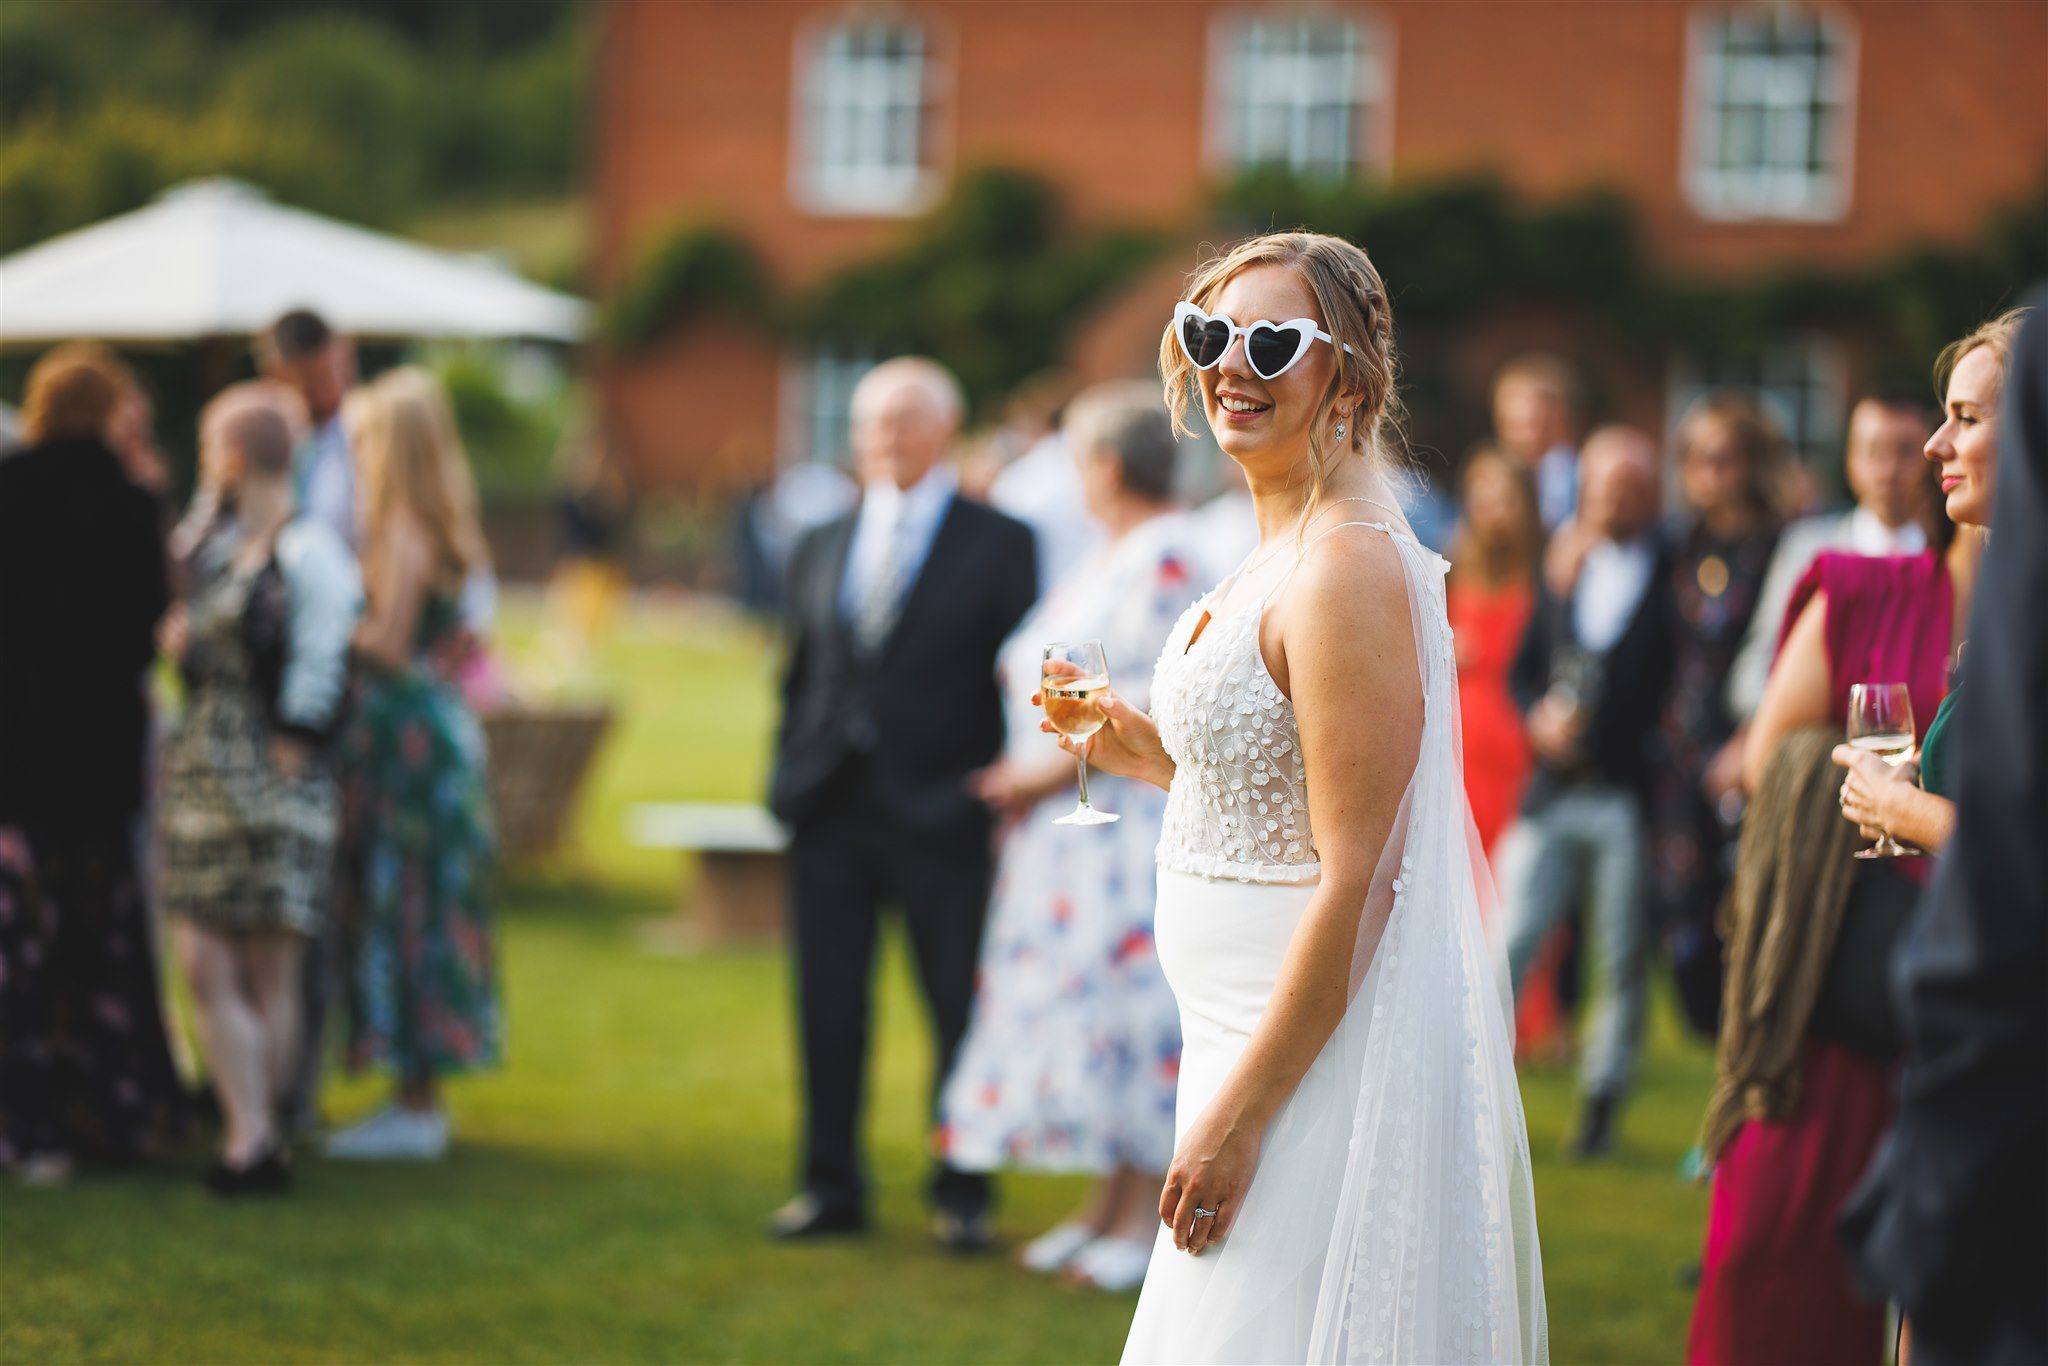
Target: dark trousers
846,865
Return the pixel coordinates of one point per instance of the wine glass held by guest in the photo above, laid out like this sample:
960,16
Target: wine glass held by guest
1881,724
1322,936
1885,800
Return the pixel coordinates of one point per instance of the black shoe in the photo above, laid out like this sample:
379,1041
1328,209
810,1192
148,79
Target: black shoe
269,1174
806,1216
965,1233
1595,1138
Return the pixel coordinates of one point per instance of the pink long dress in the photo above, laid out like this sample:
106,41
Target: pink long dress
1774,1285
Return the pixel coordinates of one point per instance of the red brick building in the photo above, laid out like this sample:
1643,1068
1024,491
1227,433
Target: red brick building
1747,135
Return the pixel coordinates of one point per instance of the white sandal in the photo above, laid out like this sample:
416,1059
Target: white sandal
1114,1264
1053,1249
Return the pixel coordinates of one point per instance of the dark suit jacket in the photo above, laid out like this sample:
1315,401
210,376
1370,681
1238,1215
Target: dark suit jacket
1952,1219
924,712
82,583
1634,678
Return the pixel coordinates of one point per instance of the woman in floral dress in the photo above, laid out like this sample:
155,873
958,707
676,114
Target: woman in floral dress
249,804
1070,1062
417,849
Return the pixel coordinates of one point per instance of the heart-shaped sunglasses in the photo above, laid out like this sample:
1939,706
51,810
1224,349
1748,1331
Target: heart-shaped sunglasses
1270,348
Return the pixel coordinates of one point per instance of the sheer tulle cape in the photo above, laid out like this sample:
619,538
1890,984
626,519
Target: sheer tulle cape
1419,1245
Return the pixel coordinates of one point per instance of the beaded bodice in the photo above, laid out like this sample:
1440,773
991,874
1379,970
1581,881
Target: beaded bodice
1238,807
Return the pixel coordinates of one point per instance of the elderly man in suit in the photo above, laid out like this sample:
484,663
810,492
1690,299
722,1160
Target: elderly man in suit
1888,479
896,612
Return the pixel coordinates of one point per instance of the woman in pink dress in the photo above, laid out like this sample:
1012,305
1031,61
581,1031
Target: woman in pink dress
1774,1284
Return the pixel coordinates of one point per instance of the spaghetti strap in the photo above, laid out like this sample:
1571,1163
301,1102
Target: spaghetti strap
1386,527
1302,558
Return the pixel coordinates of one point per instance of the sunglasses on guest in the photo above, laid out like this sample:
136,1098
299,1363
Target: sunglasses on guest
1270,348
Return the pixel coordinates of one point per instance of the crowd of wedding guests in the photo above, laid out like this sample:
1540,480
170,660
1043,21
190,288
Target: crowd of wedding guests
309,817
1656,643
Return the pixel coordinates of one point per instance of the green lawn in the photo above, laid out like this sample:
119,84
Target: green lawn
605,1199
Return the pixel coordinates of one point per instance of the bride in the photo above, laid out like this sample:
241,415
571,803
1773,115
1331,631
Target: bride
1351,1172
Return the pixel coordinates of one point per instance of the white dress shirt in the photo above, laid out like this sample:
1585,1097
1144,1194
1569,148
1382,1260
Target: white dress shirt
921,507
1557,485
1868,535
1611,583
327,480
1860,531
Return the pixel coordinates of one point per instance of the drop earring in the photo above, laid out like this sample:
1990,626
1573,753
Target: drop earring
1340,429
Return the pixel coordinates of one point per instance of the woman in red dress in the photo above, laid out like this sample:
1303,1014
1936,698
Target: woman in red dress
1491,592
1490,595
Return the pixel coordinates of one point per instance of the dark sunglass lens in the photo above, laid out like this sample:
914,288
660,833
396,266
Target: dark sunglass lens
1205,340
1269,349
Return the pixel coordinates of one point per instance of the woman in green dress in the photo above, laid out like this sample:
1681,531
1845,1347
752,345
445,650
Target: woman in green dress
1965,448
417,850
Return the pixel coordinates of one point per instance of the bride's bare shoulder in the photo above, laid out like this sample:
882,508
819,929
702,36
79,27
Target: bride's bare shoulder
1346,611
1351,574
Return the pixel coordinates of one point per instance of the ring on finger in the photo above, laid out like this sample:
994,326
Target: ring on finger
1201,1213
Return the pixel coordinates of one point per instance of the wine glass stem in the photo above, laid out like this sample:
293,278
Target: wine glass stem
1081,760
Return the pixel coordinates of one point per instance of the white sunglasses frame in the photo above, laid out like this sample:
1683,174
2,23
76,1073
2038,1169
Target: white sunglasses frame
1303,328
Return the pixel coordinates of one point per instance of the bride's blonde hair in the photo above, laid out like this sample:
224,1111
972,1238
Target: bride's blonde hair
1352,300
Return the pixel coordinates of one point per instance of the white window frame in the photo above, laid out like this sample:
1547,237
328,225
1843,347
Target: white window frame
1790,101
815,423
842,164
1363,75
1820,365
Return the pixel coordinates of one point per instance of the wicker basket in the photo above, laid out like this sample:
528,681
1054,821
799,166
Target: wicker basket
539,757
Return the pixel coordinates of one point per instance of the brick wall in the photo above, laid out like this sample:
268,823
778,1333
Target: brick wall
1950,119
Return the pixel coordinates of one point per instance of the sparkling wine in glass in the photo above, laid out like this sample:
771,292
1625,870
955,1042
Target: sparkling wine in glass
1072,681
1881,723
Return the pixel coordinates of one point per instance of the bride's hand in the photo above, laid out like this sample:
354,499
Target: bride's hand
1127,746
1212,1170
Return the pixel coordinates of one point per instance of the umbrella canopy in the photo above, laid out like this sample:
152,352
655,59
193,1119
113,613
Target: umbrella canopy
218,258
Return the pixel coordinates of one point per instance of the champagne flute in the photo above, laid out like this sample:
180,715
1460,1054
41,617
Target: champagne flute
1881,723
1072,680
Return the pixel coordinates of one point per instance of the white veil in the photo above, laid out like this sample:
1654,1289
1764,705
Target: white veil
1427,1242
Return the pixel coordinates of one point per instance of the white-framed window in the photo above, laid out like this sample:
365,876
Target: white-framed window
1801,381
1308,91
817,404
1770,119
862,122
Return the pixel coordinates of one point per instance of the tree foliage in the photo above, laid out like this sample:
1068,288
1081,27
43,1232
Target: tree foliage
375,111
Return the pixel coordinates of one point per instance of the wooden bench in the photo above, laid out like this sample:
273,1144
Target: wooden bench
742,894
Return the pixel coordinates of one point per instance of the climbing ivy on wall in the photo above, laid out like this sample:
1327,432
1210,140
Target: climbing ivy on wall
996,279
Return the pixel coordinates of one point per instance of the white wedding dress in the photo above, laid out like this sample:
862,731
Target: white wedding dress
1392,1217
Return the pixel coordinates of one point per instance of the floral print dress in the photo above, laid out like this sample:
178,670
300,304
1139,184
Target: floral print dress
1072,1055
417,862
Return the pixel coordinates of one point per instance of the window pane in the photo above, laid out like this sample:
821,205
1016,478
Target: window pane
1292,93
864,96
1772,84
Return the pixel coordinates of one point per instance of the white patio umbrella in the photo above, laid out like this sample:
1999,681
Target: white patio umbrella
218,258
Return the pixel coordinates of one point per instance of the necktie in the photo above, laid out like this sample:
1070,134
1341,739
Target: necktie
884,590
